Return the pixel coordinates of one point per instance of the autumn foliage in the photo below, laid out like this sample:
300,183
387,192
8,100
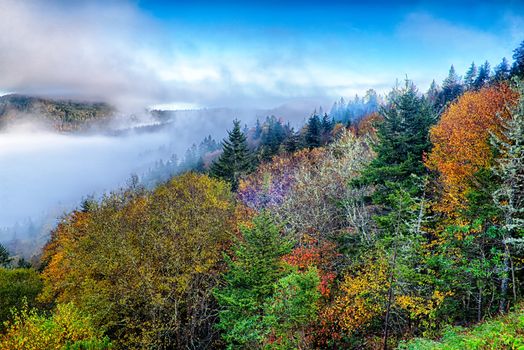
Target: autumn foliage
461,144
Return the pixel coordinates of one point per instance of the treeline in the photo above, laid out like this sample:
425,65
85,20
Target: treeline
365,237
62,115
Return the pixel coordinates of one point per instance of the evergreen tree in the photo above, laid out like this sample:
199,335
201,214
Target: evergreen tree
518,61
5,260
313,135
292,142
451,88
470,76
273,135
253,271
432,95
483,76
403,139
258,130
236,159
327,126
502,71
510,168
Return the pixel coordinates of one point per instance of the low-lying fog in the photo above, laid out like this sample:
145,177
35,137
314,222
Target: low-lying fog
45,174
43,170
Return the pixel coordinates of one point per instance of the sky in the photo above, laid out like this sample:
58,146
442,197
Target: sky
197,54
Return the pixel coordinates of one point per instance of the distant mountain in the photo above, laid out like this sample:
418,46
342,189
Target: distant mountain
62,115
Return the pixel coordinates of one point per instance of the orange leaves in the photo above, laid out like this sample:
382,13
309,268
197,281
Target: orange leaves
321,255
461,141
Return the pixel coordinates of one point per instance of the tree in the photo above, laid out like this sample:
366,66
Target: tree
502,71
483,76
402,141
451,88
292,309
143,265
17,286
510,167
236,158
470,76
253,270
518,61
327,126
460,142
313,135
433,93
66,328
509,197
5,260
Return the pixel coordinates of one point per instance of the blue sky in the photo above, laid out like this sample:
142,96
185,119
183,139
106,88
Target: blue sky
261,54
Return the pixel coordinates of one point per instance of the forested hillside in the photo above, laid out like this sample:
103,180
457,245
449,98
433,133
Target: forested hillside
354,232
62,115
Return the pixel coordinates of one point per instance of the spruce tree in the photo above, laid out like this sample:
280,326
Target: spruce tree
327,125
236,159
451,88
403,139
502,71
470,76
432,95
483,76
5,260
518,61
314,132
249,283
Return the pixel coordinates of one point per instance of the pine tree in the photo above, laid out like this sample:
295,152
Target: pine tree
433,94
483,76
502,71
451,87
314,132
236,159
403,139
327,125
292,142
5,260
518,61
470,76
256,267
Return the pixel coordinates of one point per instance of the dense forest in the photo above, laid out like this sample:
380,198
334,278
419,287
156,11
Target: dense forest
62,115
389,222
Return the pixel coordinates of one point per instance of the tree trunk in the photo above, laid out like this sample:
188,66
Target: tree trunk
390,300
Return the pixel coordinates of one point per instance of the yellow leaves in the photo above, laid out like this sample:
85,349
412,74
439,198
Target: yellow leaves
30,331
144,257
421,307
361,297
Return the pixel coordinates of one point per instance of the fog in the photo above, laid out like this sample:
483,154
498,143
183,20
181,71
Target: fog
45,174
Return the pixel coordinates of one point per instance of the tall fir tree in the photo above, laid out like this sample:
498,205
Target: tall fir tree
402,141
236,159
470,76
249,283
432,95
327,125
313,135
518,61
451,87
483,76
502,71
5,260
